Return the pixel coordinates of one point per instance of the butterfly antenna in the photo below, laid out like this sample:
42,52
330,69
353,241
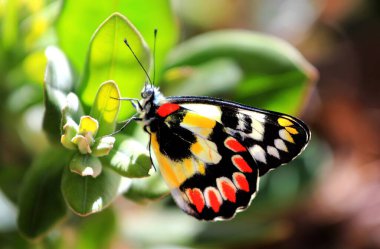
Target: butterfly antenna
137,59
154,55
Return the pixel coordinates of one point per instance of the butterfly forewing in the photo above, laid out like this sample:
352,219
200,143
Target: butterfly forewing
272,138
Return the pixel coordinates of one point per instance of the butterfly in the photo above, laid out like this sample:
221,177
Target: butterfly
212,152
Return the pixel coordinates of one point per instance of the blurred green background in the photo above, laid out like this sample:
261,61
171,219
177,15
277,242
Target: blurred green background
327,198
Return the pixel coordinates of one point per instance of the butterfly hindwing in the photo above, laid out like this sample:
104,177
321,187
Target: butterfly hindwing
226,186
215,177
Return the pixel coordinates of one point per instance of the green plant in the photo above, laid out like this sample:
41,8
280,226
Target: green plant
87,166
91,178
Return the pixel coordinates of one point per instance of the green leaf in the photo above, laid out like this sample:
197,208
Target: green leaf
103,146
221,75
149,188
87,195
109,59
97,231
85,165
58,83
41,203
129,158
275,75
106,107
75,27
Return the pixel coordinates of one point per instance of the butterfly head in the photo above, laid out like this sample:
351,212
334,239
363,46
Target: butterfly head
148,91
150,98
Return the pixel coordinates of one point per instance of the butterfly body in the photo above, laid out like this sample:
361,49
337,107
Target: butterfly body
212,152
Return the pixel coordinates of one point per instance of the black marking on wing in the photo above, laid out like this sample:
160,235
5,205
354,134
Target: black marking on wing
174,140
229,117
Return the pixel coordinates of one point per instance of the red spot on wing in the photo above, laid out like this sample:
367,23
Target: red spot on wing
240,181
241,164
196,198
228,191
234,145
167,109
214,199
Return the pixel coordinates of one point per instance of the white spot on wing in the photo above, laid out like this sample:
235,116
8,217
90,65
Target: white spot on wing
242,125
258,153
210,111
256,135
258,125
273,151
285,135
279,143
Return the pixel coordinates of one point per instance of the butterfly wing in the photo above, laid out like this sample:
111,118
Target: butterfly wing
211,152
272,138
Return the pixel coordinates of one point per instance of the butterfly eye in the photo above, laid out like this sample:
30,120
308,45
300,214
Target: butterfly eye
144,94
147,93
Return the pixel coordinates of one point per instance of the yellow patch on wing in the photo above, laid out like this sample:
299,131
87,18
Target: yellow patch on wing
201,168
291,130
284,122
189,166
198,124
192,166
206,151
175,173
171,171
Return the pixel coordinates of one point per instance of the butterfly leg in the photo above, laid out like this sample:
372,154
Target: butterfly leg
135,102
135,118
150,154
